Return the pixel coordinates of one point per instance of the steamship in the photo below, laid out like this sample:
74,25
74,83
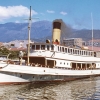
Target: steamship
51,61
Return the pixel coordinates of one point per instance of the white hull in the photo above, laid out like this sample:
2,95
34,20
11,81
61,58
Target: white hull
15,74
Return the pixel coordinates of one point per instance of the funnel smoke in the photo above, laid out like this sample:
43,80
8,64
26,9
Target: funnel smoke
66,30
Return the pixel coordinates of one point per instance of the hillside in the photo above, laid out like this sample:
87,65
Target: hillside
19,31
40,30
86,34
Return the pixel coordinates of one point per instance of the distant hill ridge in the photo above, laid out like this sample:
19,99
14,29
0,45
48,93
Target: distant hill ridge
40,30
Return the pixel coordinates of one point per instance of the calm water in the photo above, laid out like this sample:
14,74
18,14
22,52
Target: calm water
85,89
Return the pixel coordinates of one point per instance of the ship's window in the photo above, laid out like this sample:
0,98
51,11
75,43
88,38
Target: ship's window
33,47
89,53
51,63
40,77
37,47
60,62
20,75
80,52
71,51
42,47
58,48
66,50
52,47
73,65
79,65
47,47
62,49
64,63
93,65
94,54
84,52
88,65
75,51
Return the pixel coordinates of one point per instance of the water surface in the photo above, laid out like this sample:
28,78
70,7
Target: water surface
85,89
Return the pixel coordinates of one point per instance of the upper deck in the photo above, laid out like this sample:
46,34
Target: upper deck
63,49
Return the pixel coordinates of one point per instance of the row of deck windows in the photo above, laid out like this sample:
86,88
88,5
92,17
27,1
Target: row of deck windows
76,51
80,66
42,47
64,63
66,50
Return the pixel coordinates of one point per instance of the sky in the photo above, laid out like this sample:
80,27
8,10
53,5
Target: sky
79,14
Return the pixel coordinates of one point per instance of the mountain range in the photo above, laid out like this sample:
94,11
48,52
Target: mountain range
41,30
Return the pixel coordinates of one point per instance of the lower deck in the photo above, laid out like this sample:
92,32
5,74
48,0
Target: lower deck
22,73
61,64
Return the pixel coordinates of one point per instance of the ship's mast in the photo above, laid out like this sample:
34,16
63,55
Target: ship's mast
29,28
92,30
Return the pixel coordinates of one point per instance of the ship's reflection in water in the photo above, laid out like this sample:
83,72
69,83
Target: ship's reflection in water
85,89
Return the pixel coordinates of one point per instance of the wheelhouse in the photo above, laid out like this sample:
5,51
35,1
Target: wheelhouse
44,46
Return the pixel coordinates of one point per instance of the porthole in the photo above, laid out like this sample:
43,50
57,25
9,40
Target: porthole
20,75
40,77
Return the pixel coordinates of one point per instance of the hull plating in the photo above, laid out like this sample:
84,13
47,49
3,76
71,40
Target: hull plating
17,78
